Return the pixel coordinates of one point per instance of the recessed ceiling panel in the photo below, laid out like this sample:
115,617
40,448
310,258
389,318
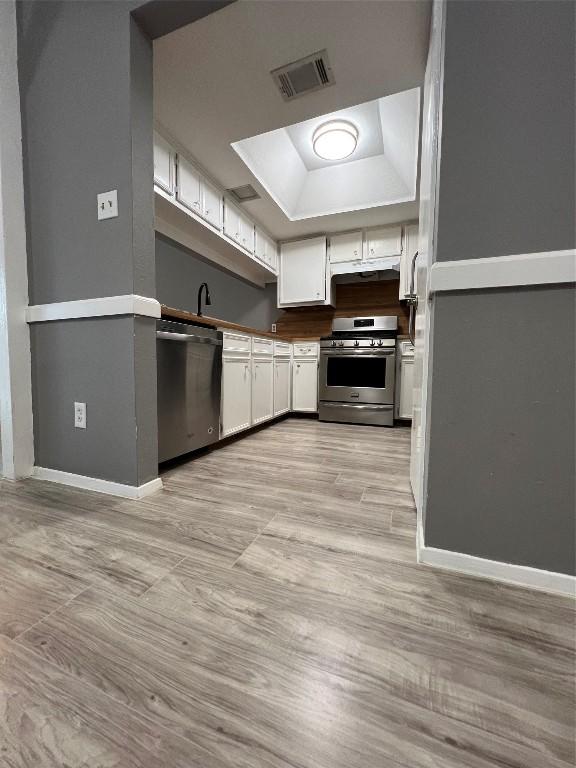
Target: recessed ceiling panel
381,171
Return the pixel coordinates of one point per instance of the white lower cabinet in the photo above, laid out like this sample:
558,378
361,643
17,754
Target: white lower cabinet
404,381
281,386
236,394
305,385
262,390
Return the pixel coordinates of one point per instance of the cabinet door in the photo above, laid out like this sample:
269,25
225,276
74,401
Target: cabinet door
236,395
211,204
302,271
189,186
246,238
262,390
231,221
261,245
345,247
163,164
305,385
281,386
383,242
410,246
272,255
406,393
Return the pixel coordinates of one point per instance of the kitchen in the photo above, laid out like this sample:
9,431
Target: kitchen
223,224
281,216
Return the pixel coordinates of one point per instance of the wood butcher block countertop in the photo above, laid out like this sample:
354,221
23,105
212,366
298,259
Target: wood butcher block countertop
169,313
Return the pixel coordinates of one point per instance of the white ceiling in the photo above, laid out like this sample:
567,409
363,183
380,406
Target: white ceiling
382,170
212,83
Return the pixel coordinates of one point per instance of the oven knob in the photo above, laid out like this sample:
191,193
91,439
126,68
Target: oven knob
333,343
372,344
356,343
340,343
380,343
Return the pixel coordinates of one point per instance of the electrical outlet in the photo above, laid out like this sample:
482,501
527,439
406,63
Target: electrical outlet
107,204
80,415
273,327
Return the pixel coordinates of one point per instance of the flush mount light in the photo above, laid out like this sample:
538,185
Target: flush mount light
335,140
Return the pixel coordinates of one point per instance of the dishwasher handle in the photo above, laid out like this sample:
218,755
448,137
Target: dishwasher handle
189,337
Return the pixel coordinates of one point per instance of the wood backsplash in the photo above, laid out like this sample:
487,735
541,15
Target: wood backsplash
377,297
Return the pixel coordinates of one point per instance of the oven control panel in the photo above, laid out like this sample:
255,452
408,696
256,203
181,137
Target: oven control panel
357,343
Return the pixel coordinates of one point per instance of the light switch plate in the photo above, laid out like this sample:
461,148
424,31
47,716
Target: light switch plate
108,205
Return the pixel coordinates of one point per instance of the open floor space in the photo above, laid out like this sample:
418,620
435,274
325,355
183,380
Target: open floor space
265,610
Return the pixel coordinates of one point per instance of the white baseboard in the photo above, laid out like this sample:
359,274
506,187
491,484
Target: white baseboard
519,575
98,485
107,306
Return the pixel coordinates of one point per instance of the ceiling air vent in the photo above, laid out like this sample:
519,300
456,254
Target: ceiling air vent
304,76
244,193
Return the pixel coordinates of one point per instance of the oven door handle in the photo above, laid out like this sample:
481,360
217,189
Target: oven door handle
358,406
357,353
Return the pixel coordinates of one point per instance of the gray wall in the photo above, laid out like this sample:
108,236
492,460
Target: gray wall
180,272
85,73
500,481
89,361
508,150
502,457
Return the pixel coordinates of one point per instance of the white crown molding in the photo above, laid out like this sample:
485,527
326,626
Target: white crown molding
106,306
98,485
509,573
504,271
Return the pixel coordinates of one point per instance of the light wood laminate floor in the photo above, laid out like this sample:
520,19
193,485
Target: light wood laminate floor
266,611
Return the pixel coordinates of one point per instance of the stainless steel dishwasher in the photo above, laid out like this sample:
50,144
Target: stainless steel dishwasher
189,387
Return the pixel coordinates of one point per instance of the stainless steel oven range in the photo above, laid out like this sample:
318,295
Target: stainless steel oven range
357,365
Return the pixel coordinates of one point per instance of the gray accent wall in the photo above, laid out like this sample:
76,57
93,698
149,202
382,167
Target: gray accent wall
180,272
502,445
90,361
500,476
508,144
85,72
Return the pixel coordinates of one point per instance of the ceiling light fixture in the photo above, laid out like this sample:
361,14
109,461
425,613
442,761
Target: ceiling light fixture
335,140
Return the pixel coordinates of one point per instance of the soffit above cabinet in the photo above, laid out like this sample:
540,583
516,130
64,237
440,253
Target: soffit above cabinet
213,87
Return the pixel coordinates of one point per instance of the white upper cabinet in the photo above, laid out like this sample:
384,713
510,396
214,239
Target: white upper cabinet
302,278
238,226
408,253
164,156
189,186
265,249
231,220
345,247
383,242
246,232
212,204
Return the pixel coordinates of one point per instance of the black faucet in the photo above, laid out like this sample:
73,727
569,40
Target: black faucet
208,299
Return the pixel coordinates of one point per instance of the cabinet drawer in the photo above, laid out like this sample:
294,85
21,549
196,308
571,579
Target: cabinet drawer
309,349
262,346
237,342
282,349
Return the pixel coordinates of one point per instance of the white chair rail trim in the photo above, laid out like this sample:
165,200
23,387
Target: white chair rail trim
501,271
106,306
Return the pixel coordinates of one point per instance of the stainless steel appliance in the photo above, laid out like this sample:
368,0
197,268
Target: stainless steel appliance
357,371
189,387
